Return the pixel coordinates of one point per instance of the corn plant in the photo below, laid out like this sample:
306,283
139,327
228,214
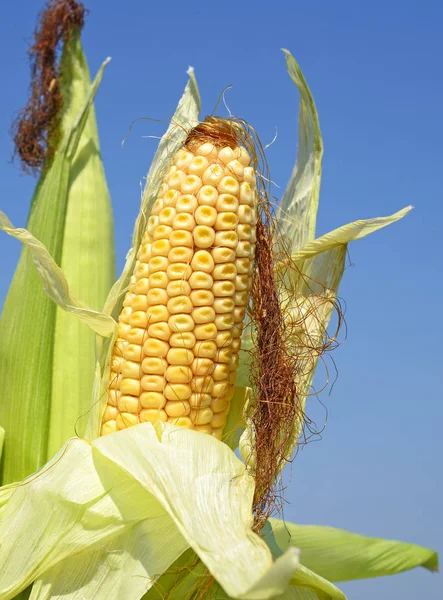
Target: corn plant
206,344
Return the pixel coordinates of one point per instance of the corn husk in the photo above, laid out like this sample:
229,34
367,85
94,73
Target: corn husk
47,357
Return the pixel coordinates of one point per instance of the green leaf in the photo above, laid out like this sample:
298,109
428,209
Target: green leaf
298,208
339,555
32,335
187,489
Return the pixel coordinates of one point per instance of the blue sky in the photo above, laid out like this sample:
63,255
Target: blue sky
375,71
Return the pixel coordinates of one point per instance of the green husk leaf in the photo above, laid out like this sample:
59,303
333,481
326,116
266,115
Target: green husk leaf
322,263
297,211
339,555
324,589
90,494
88,262
55,284
186,115
29,319
235,423
347,233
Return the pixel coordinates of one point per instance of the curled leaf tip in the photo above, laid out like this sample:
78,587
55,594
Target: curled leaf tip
34,129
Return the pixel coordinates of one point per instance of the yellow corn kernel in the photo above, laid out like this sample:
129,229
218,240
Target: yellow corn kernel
200,400
226,220
178,374
177,392
226,203
220,372
152,383
154,365
152,400
207,196
236,168
160,330
183,159
154,347
228,185
227,154
191,184
205,215
202,385
157,263
224,338
222,255
162,232
157,313
179,304
130,386
158,280
186,204
131,369
203,236
139,302
181,422
180,323
223,305
152,415
125,420
177,409
205,349
109,426
206,149
201,416
178,287
180,356
179,271
185,339
184,220
202,261
128,404
111,412
200,280
198,165
223,288
201,297
202,366
212,175
203,314
225,271
181,254
156,296
166,216
206,331
181,237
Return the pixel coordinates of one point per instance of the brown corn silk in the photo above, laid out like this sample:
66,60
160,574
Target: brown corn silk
34,131
176,355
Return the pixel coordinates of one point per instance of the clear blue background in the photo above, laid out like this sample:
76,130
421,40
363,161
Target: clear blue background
375,69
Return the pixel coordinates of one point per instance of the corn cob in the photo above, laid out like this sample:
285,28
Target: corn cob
179,332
